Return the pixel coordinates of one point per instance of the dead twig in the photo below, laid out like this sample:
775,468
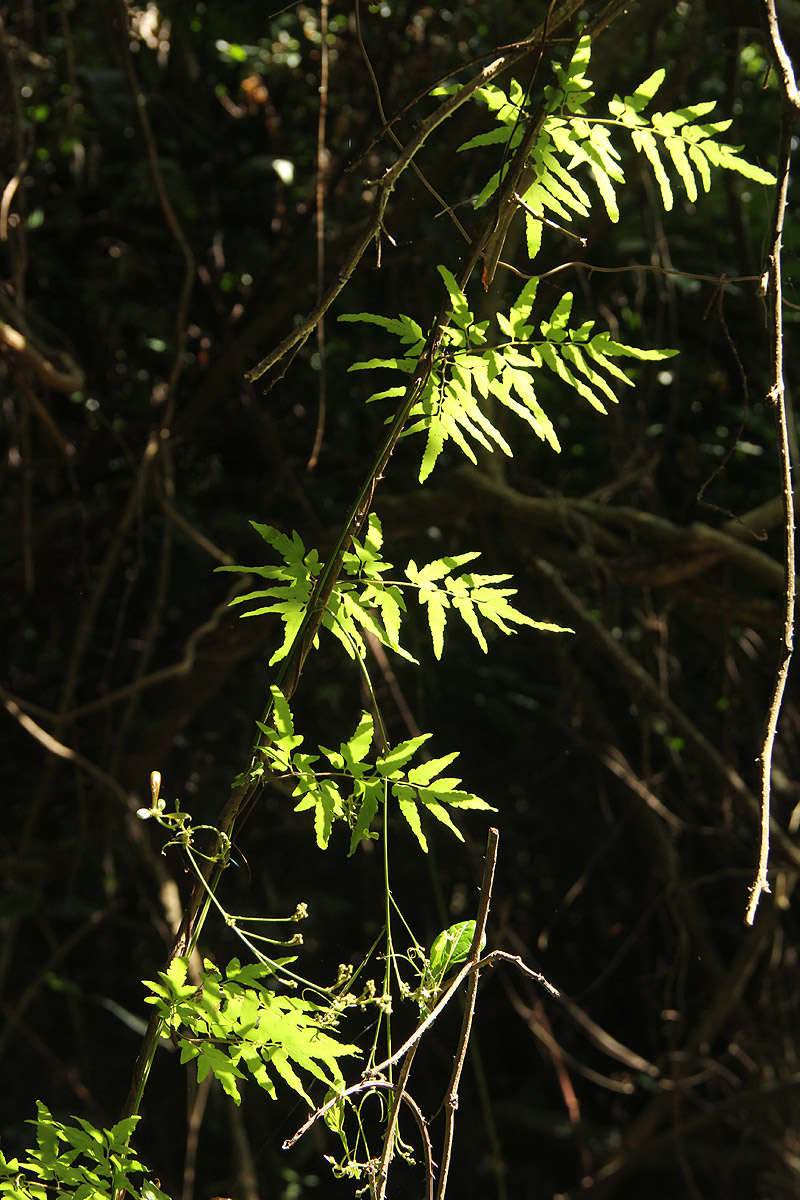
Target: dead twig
773,285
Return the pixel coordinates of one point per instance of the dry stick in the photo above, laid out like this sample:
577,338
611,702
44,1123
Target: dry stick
181,334
56,747
8,195
777,394
786,70
451,1097
422,1125
62,376
537,1021
322,166
640,681
194,534
382,1173
535,1018
373,1077
196,1101
170,217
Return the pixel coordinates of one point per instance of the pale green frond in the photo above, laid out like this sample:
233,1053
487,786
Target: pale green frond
433,448
574,355
554,360
425,772
409,810
461,312
701,163
400,754
466,610
405,327
644,142
677,151
492,137
646,90
604,187
406,365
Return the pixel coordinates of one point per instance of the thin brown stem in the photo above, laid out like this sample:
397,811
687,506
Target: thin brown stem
451,1096
777,394
322,170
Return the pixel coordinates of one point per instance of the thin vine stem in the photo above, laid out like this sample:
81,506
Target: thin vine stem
773,285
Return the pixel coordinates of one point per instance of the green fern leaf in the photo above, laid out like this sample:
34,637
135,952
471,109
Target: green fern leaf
644,142
406,328
400,754
646,91
406,803
368,808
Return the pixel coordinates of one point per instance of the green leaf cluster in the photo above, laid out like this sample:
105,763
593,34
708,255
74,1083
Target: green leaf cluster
77,1161
234,1026
472,372
355,783
364,600
570,138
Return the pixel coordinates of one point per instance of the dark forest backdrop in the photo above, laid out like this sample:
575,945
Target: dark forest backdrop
622,760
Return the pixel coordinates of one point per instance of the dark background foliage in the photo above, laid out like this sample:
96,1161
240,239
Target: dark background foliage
626,848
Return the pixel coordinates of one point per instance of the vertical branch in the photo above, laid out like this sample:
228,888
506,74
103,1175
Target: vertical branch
322,169
170,219
451,1099
772,284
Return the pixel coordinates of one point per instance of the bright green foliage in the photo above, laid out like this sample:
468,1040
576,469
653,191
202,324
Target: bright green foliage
449,948
79,1162
361,602
364,599
355,783
471,372
235,1026
294,583
570,138
471,596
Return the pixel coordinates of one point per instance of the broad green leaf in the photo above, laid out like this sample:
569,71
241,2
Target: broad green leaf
452,946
